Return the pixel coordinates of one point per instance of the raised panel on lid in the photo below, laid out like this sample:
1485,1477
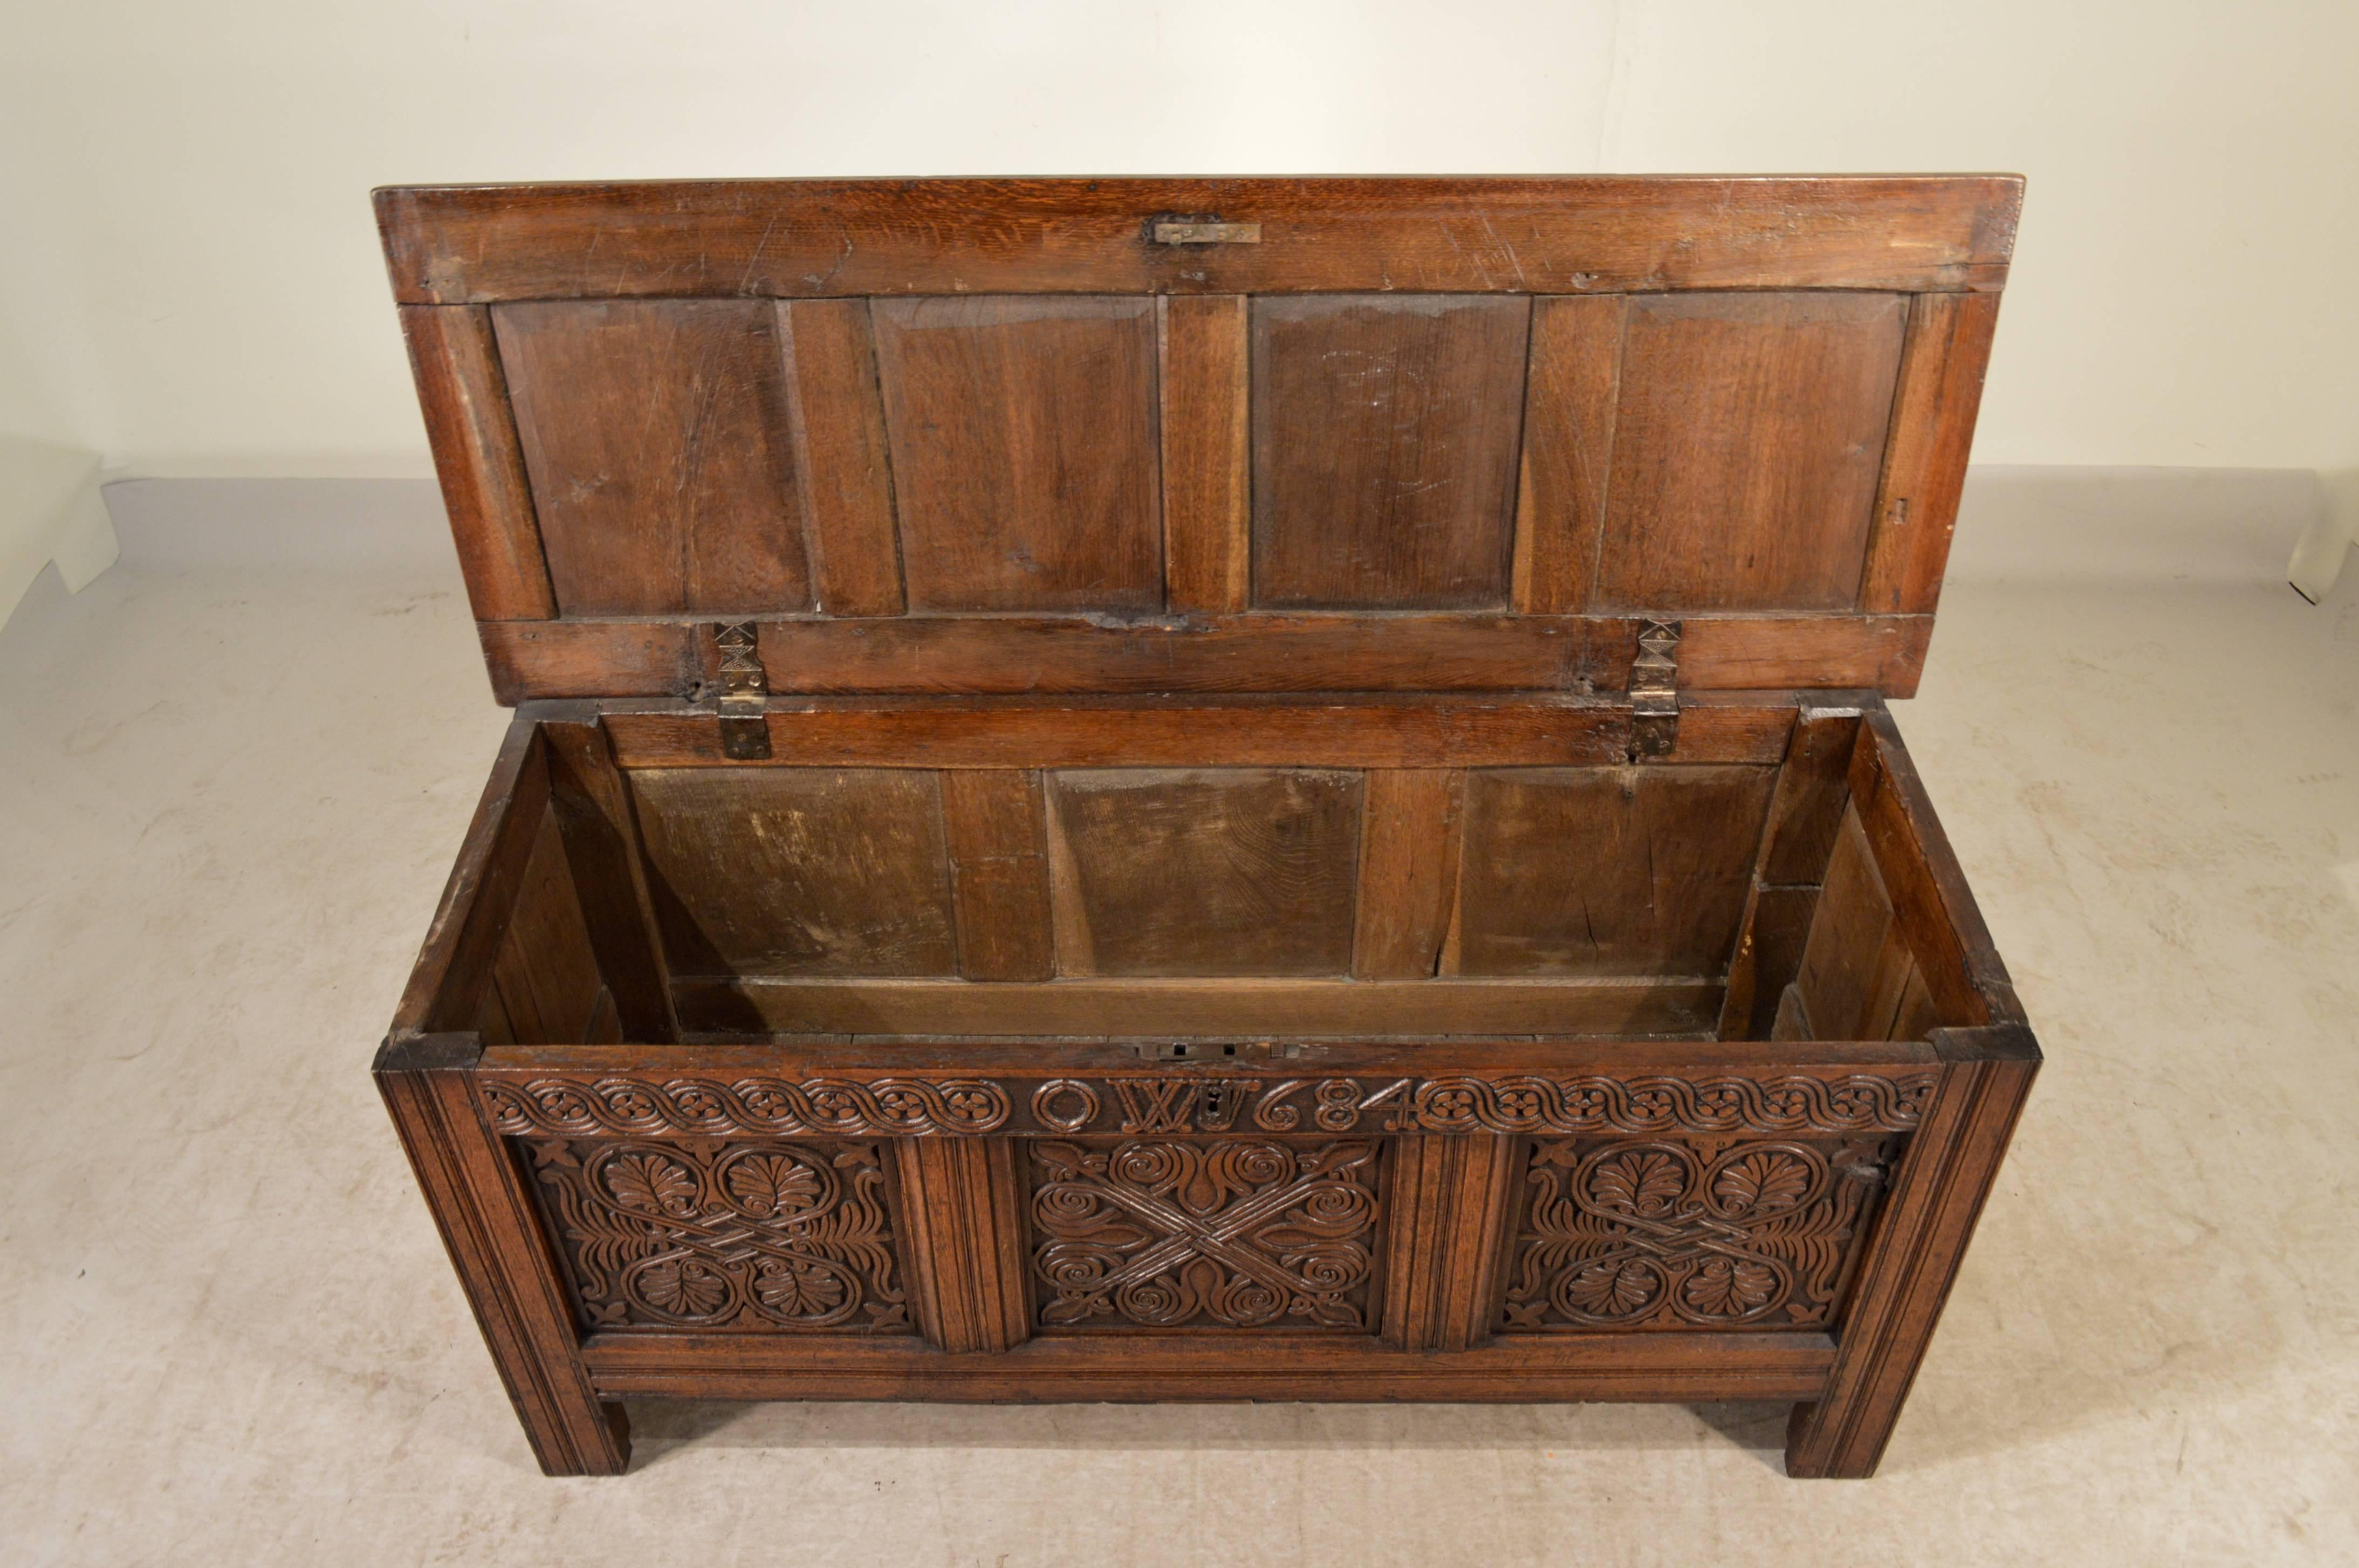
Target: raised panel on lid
1024,452
797,870
1385,439
1205,871
1606,870
655,438
1746,450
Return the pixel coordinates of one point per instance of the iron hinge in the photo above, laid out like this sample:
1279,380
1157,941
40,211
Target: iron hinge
744,693
1654,691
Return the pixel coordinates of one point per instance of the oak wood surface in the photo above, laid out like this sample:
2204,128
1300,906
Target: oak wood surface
1017,653
1025,464
656,435
1572,395
1207,453
1225,1006
1385,428
1925,459
997,825
468,245
1745,448
843,469
463,394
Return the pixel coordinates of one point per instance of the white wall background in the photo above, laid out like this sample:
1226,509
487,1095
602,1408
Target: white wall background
190,282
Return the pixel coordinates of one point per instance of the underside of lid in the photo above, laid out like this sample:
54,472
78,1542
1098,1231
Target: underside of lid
1134,437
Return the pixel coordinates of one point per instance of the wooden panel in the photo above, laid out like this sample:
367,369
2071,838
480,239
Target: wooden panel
1450,1206
1232,1009
843,474
454,969
1575,379
1813,788
1746,447
464,396
1856,965
999,873
1925,457
547,973
480,1207
1413,731
797,870
1951,1164
1927,887
602,845
656,435
1243,653
1224,1367
1768,957
1216,870
461,244
1606,870
1384,437
1408,871
1025,458
964,1234
1207,493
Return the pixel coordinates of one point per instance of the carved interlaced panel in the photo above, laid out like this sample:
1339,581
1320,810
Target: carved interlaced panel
1241,1233
1686,1235
713,1235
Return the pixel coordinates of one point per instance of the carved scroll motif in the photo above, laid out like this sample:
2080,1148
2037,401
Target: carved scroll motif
1150,1104
1245,1233
760,1236
1666,1235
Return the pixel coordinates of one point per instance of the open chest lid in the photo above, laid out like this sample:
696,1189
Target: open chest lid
1147,436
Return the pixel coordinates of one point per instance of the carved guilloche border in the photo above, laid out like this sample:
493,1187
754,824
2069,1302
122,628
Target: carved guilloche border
522,1103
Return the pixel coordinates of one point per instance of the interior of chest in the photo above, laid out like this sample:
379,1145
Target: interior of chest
668,896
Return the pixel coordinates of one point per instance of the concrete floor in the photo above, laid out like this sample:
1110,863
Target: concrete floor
232,789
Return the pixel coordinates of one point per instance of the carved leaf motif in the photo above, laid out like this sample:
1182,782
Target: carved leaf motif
1727,1288
774,1184
1612,1288
798,1289
652,1183
1645,1184
1765,1181
684,1288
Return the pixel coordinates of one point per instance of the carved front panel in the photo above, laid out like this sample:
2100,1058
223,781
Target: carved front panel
1658,1234
764,1235
1237,1233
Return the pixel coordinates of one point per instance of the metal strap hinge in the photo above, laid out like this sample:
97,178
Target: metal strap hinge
1654,691
744,693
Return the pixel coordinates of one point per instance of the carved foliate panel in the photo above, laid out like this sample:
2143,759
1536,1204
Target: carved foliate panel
761,1236
1659,1234
1237,1233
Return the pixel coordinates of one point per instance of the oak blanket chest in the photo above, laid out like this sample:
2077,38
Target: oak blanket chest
1228,789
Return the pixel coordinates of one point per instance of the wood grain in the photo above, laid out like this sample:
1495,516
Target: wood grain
843,471
1606,870
1408,869
1746,450
593,814
547,972
1568,449
1813,788
962,1231
468,245
512,1283
1384,450
1925,454
1207,474
1451,1208
981,653
464,395
656,435
1912,1260
797,870
1025,454
1857,963
1250,1009
1210,870
997,825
